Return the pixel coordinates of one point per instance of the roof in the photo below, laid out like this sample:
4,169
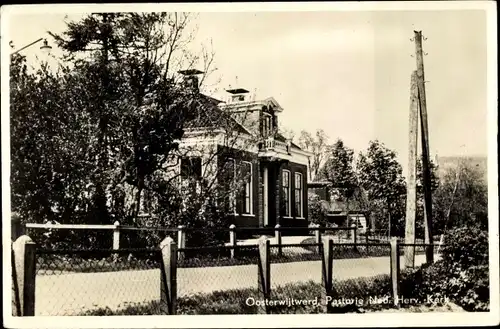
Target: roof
237,91
208,115
279,137
190,72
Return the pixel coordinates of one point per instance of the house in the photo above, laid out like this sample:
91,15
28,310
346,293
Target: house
236,145
342,211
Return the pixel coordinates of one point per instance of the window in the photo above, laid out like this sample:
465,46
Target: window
298,195
286,193
238,98
266,124
246,170
191,174
229,172
191,168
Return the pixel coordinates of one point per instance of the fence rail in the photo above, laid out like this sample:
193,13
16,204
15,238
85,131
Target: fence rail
129,236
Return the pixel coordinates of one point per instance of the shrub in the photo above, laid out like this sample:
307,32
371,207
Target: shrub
462,274
317,209
465,247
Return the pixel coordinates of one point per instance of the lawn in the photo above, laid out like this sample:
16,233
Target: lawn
235,301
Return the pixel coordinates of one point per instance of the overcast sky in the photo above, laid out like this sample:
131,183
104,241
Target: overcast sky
347,72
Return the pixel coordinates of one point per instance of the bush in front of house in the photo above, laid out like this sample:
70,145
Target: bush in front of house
462,273
317,210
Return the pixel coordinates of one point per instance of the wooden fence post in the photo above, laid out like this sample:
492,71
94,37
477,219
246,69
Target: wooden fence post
181,240
264,275
232,238
367,240
277,235
168,286
317,238
25,267
327,274
116,236
354,233
17,228
395,269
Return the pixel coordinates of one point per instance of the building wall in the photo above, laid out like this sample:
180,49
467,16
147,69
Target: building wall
249,119
242,220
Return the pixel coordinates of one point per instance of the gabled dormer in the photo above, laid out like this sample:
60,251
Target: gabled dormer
260,117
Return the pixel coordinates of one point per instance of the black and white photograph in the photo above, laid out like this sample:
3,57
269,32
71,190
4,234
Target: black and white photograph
249,161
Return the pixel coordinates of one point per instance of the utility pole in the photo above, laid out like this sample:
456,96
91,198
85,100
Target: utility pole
425,147
411,186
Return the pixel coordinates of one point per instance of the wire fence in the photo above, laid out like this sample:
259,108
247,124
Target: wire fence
145,237
97,282
358,268
296,278
217,279
53,238
211,279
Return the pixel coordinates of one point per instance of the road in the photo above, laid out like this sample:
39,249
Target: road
72,293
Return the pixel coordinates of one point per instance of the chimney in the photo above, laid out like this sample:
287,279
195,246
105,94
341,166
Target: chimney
238,95
190,79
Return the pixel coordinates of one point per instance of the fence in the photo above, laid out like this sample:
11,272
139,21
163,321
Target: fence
261,278
116,236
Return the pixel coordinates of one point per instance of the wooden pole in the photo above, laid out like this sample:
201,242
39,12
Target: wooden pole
264,275
411,186
25,269
168,277
232,238
327,274
395,270
425,147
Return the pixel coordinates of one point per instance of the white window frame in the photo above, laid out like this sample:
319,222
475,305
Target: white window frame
301,195
250,190
289,188
232,194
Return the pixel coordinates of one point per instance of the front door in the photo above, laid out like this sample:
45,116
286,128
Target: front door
269,194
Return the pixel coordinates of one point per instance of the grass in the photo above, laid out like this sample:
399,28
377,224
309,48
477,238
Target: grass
350,251
234,301
57,264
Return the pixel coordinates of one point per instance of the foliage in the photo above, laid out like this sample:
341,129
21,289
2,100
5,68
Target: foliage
462,273
91,140
461,199
466,247
338,168
419,223
380,175
317,209
317,144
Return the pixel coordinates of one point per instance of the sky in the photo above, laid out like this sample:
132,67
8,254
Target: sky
346,72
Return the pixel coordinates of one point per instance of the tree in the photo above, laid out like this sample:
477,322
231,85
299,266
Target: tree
139,110
90,138
338,170
420,225
380,175
317,145
461,200
49,144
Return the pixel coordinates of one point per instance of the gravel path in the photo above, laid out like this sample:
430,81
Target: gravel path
69,294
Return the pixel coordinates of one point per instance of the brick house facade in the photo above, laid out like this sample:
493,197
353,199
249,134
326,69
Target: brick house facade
274,187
